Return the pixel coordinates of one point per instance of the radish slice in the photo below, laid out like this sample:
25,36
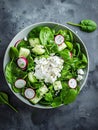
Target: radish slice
59,39
72,83
22,62
29,93
16,44
20,83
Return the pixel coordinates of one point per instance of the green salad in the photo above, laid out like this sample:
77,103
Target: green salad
46,67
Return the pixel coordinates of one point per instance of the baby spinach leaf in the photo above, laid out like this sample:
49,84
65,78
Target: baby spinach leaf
46,35
34,33
86,25
56,102
48,96
4,100
13,53
65,54
70,97
8,73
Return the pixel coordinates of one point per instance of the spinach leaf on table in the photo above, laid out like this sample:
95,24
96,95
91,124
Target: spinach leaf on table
4,100
86,25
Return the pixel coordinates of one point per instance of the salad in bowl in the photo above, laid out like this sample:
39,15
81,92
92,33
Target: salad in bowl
46,65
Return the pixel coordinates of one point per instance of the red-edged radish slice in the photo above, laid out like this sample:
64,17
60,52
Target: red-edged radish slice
20,83
29,93
22,62
72,83
16,44
59,39
70,54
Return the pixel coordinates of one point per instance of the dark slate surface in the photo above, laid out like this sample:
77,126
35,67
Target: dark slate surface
83,113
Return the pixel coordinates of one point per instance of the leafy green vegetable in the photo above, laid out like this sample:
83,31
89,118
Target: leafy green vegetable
48,96
69,45
12,72
84,59
30,63
8,73
34,33
13,53
16,90
86,25
70,96
4,100
65,54
62,32
71,36
56,102
45,35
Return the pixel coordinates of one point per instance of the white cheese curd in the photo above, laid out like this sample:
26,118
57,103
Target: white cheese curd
48,68
80,71
80,77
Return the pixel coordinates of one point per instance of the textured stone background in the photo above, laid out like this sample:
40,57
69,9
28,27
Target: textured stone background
83,113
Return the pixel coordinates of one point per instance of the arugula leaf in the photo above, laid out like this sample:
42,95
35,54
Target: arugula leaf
30,63
71,36
16,90
84,59
52,47
69,45
78,52
23,43
4,100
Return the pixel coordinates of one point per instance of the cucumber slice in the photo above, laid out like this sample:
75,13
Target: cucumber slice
38,49
34,41
42,91
62,47
57,85
31,77
24,52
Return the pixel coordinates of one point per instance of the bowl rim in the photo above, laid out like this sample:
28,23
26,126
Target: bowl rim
32,26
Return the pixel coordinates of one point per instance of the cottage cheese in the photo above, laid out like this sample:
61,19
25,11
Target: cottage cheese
48,69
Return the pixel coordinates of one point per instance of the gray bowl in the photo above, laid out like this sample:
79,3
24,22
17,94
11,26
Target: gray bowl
24,33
